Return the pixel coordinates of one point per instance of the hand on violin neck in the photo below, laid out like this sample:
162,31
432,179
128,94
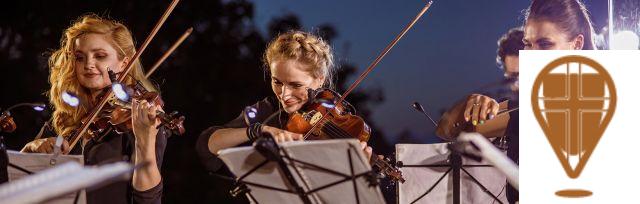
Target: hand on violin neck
280,135
368,151
145,124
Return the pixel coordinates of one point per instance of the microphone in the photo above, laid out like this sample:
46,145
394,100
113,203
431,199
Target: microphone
35,106
8,125
6,121
420,109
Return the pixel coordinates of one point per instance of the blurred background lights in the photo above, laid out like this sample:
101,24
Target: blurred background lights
70,99
118,91
625,40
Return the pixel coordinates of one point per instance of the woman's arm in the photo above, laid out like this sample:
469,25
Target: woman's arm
233,133
225,138
480,111
231,137
145,123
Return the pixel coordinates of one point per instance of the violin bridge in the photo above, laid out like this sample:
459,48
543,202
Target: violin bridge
314,117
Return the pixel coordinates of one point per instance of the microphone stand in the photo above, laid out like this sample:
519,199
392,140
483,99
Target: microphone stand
4,162
8,125
420,109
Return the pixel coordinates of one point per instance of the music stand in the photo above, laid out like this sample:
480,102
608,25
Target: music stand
477,145
438,156
60,180
327,171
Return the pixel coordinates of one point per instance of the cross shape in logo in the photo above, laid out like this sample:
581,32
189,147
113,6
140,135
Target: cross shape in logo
573,99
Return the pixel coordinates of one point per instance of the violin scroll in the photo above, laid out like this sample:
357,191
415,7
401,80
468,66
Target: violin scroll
384,166
7,124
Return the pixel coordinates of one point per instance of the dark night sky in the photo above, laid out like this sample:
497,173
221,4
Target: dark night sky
448,53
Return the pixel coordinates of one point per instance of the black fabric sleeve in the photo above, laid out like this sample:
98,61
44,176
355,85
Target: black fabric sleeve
263,108
150,196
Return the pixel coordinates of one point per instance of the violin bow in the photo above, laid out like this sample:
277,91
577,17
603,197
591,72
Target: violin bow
83,128
169,52
375,62
507,111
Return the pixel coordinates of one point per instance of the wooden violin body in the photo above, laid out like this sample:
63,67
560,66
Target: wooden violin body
339,122
6,123
453,123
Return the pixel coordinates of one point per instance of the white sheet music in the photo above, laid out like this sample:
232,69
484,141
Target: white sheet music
36,162
330,154
420,179
62,179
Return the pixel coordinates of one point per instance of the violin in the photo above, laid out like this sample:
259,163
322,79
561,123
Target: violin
453,123
339,122
116,114
6,123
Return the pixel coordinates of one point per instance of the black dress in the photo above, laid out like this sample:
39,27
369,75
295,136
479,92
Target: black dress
267,110
513,150
114,147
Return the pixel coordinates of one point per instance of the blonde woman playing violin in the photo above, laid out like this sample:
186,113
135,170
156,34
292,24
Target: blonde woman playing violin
296,61
89,47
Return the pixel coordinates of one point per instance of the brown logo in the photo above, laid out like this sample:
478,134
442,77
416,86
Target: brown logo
573,99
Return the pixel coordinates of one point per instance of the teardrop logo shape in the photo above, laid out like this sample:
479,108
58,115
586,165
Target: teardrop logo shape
573,99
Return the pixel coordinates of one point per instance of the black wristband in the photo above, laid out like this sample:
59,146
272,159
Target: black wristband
254,131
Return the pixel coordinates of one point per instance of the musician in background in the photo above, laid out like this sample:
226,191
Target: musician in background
549,25
296,61
88,48
558,25
509,46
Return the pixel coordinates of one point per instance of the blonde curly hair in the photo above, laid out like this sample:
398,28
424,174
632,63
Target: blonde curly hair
63,75
304,47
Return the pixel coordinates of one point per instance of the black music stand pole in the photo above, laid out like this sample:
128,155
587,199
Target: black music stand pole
271,150
456,164
4,162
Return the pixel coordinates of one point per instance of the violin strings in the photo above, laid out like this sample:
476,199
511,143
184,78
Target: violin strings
330,126
333,129
336,132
